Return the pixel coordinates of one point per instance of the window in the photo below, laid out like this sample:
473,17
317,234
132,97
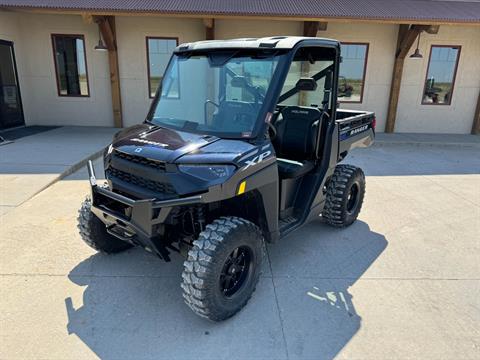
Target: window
257,73
352,72
441,72
70,65
300,69
227,99
159,51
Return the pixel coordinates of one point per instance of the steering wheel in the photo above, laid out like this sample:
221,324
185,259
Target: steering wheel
272,131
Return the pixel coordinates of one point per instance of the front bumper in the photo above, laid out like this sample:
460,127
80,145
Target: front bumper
134,221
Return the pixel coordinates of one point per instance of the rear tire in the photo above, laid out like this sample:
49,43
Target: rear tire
94,233
345,193
223,267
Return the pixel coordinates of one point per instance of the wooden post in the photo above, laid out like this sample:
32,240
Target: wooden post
322,26
209,29
107,29
87,18
310,28
476,119
432,29
406,37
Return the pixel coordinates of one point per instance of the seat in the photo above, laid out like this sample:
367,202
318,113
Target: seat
297,130
290,169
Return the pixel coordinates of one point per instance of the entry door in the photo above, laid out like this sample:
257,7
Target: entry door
11,113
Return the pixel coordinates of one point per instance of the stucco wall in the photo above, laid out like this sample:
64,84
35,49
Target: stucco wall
36,70
229,29
132,53
8,25
382,39
412,116
31,35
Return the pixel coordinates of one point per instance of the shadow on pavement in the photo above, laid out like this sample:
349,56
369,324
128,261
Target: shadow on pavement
313,271
18,133
132,304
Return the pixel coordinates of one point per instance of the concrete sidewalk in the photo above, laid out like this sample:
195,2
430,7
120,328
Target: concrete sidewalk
428,139
30,164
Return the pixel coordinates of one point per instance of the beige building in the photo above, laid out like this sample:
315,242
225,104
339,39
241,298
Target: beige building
57,77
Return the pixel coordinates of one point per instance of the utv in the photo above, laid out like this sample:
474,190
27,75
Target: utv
240,146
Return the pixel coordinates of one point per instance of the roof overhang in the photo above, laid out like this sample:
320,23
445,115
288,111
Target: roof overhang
391,11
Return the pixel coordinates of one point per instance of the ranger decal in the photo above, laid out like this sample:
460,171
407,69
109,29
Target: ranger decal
358,130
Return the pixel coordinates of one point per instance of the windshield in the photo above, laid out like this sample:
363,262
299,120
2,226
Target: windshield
221,93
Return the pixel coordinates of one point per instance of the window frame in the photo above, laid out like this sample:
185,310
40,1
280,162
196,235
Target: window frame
54,50
364,75
148,62
459,47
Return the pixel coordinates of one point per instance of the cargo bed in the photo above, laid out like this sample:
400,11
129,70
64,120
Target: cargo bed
355,129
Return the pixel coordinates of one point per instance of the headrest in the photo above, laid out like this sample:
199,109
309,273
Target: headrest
301,111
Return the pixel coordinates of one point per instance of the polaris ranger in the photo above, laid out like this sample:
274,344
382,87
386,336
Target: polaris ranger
240,146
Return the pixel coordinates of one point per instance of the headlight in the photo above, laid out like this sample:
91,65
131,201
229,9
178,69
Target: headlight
208,172
107,151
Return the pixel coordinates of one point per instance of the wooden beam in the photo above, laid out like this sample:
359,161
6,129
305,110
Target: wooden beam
107,29
87,18
310,28
432,29
108,33
406,37
396,80
209,24
322,26
476,119
394,94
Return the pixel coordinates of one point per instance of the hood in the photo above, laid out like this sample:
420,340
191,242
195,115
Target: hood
168,145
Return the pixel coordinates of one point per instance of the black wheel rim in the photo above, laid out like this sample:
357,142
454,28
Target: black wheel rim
352,200
235,271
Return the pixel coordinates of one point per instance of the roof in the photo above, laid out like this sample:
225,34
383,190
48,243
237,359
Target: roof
449,11
275,42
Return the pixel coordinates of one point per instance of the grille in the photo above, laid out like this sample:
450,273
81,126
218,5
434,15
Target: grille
159,165
155,186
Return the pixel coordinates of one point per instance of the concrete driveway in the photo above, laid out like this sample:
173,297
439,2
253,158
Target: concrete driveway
402,282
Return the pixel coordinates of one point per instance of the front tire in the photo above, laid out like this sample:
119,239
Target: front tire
94,233
345,193
223,267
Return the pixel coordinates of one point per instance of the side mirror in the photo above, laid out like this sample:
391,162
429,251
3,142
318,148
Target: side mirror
306,84
239,82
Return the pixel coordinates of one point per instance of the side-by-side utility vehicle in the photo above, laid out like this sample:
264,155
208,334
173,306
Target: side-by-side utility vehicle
240,147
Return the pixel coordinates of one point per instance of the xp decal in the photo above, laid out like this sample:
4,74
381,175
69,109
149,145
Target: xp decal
257,159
